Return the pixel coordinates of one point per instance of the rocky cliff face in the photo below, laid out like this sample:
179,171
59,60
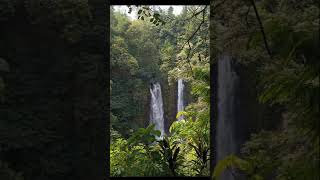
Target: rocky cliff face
239,112
169,95
253,116
170,103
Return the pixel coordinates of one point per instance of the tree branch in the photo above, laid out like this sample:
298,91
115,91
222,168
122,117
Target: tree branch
199,26
247,16
217,5
190,38
189,60
261,28
195,14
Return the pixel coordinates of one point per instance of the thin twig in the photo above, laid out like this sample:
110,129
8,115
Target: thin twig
195,14
261,28
189,60
198,28
247,16
217,5
190,38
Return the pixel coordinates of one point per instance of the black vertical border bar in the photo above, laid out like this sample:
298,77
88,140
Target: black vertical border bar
100,12
213,93
107,153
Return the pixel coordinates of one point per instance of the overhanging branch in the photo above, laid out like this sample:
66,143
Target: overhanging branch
203,11
261,28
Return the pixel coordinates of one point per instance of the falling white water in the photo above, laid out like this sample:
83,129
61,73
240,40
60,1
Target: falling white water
156,108
226,142
180,104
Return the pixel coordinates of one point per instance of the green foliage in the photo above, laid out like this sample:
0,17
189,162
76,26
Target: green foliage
170,153
167,57
193,134
291,80
133,64
195,124
202,154
230,162
289,154
288,79
121,59
297,87
192,64
145,12
201,84
146,136
136,157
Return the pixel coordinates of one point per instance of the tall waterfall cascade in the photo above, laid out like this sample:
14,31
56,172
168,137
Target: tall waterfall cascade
180,103
227,82
156,108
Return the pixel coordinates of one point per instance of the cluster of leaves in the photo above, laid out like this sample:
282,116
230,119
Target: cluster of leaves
145,12
291,79
276,155
121,59
170,154
136,156
192,132
145,153
233,164
283,155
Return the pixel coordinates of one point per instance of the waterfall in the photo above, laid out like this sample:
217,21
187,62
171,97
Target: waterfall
156,108
227,82
180,104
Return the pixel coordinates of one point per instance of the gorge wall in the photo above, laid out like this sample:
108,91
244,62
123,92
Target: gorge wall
239,112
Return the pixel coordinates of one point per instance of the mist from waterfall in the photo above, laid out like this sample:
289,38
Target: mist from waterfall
156,108
180,103
226,142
